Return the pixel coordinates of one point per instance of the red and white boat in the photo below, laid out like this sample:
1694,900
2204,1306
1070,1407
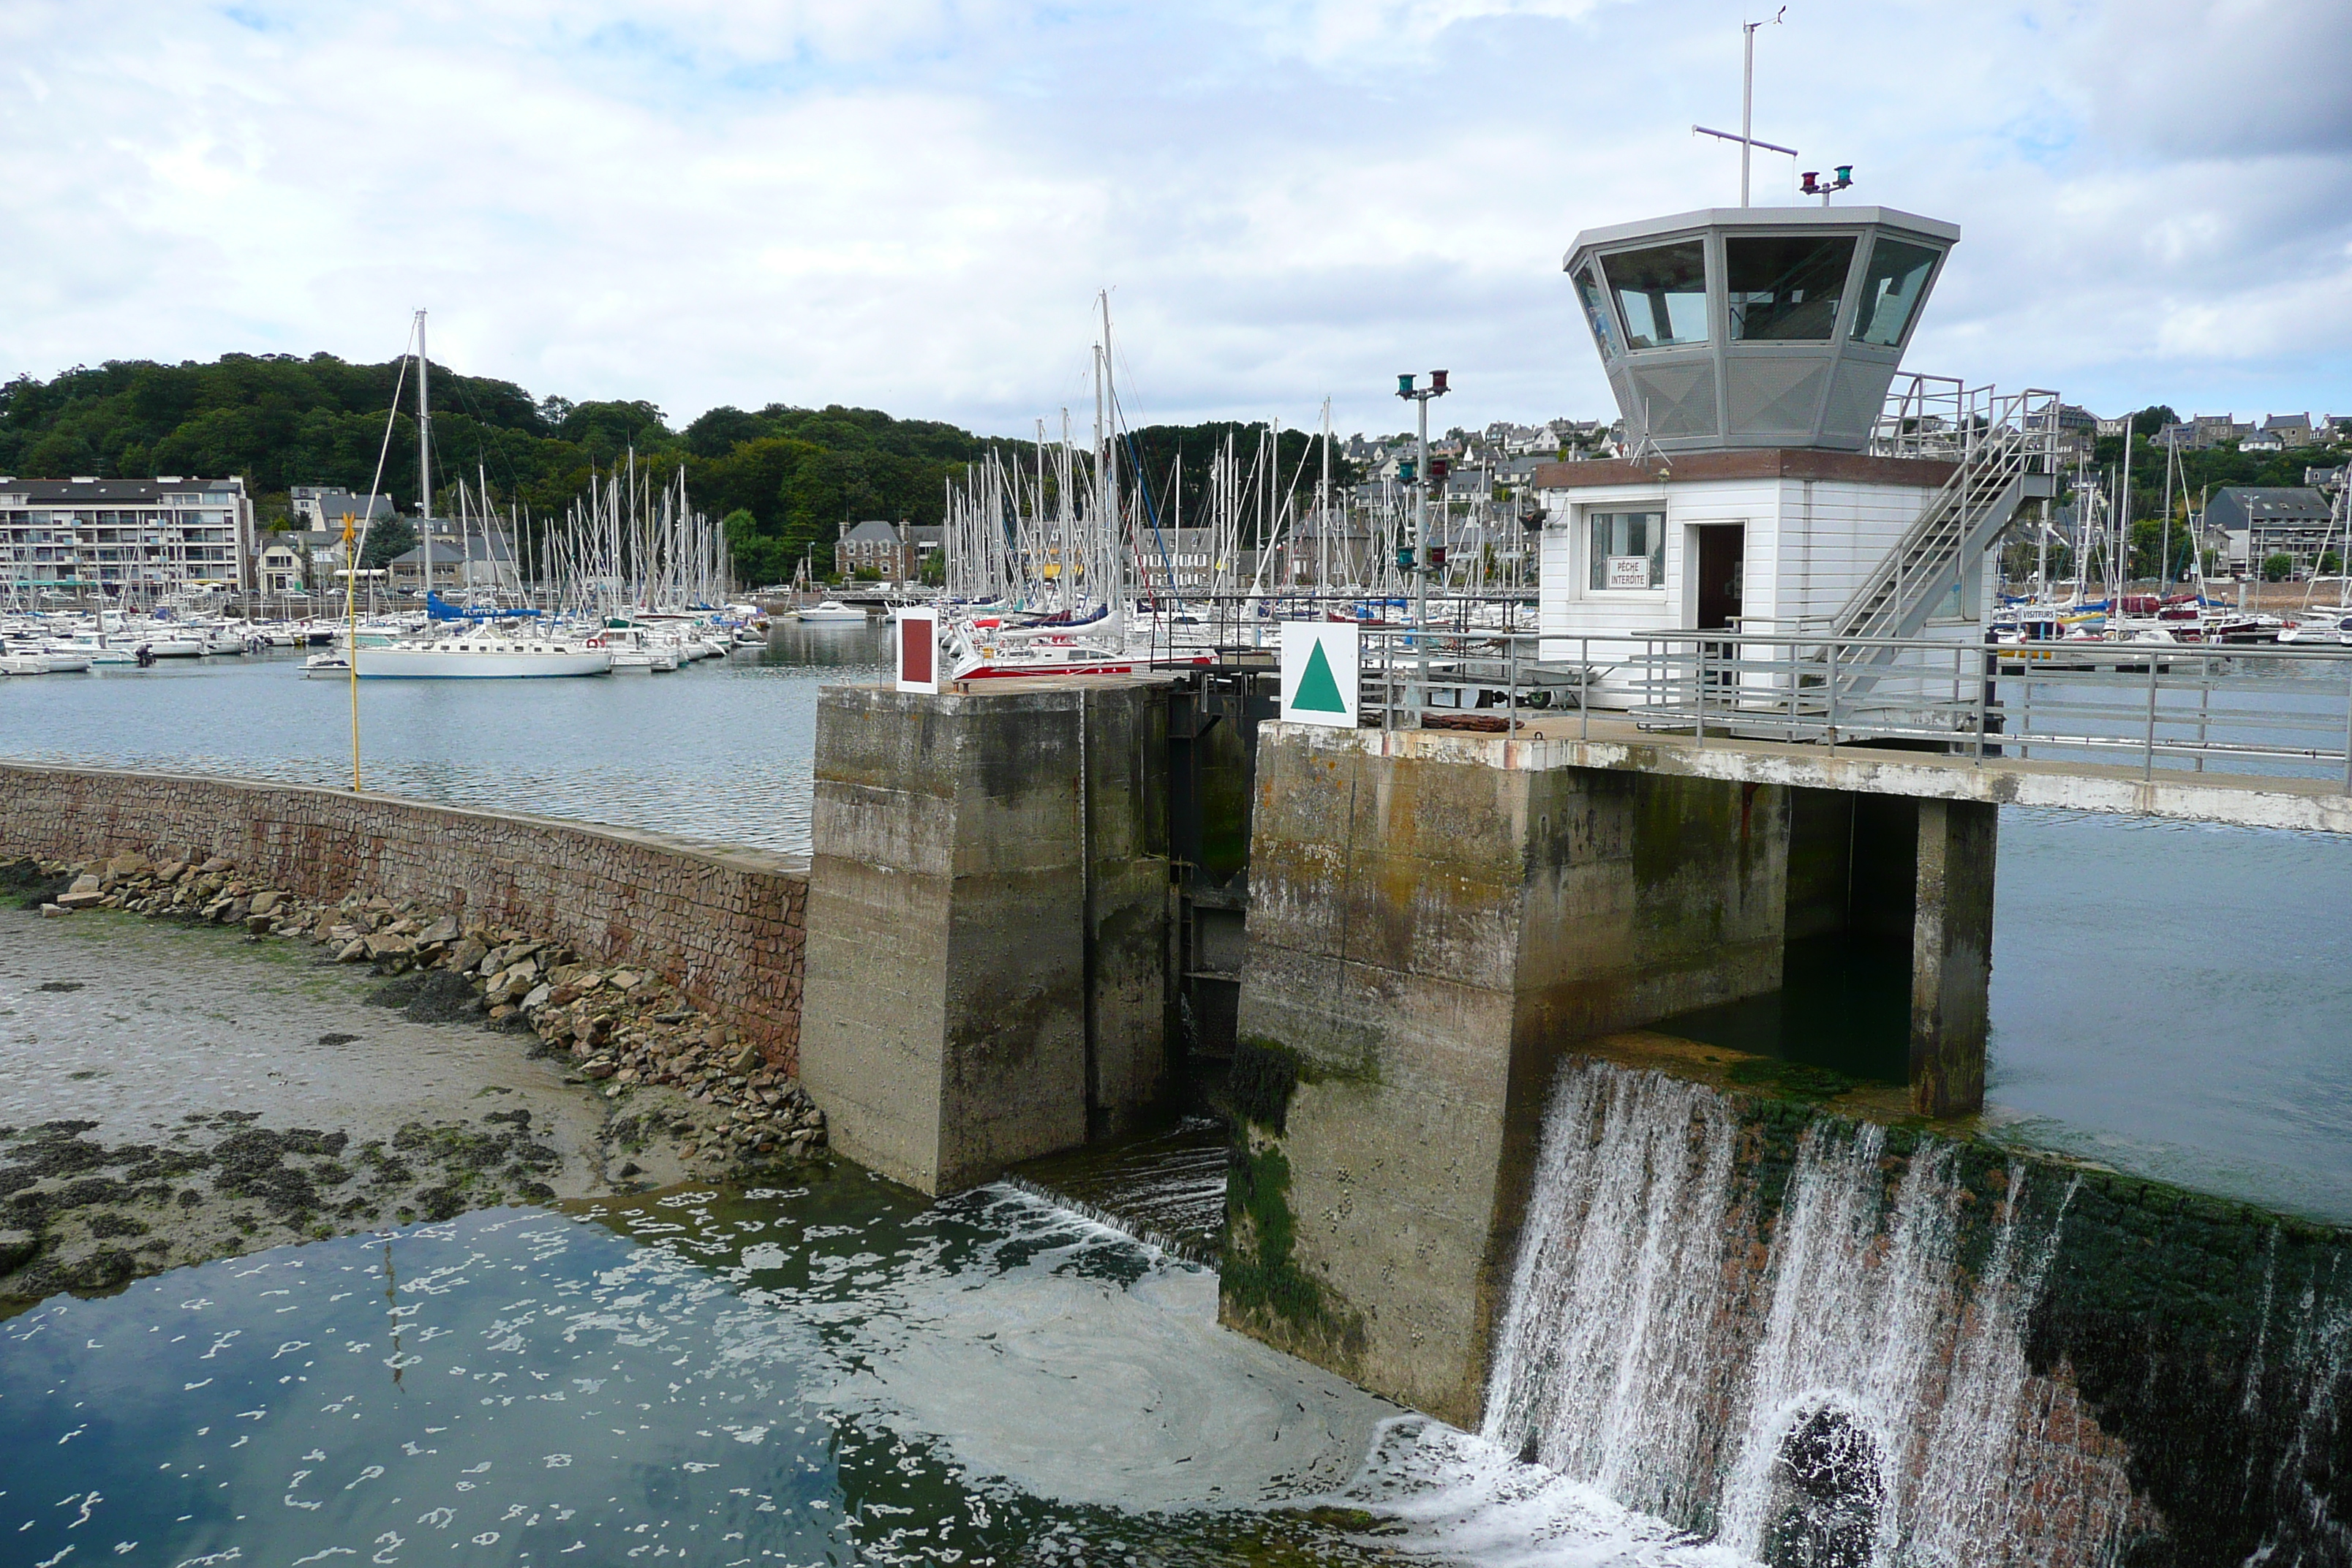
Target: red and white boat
987,650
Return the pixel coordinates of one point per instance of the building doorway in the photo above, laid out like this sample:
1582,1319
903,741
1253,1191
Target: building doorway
1722,573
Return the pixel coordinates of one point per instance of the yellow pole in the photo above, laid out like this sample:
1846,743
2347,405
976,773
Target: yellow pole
351,652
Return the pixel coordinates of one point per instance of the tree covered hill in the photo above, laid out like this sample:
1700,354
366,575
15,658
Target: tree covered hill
785,478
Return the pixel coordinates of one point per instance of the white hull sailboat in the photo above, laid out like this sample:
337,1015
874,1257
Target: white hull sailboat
499,650
483,658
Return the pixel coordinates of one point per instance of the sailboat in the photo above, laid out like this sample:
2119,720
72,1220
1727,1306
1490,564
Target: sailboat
491,651
1083,554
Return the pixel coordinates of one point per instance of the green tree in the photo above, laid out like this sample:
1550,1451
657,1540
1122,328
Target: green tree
387,539
2276,567
759,557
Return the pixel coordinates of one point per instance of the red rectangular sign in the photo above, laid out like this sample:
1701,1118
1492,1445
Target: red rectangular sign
915,636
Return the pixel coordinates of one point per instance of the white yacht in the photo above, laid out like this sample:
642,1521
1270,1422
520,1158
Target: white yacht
831,610
484,655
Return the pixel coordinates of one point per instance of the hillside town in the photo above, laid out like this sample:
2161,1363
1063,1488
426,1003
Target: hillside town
75,537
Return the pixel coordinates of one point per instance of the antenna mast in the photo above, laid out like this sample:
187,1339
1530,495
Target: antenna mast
1748,96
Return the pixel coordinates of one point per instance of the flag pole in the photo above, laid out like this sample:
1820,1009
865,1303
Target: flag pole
352,632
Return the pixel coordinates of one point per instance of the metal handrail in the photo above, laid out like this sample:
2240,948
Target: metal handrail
2160,706
1995,438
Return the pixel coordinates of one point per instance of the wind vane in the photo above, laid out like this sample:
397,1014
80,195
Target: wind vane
1747,135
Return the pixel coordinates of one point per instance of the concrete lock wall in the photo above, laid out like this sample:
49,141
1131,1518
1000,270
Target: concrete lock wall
723,924
1437,918
989,919
1430,926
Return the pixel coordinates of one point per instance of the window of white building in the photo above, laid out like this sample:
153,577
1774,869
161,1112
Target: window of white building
1627,549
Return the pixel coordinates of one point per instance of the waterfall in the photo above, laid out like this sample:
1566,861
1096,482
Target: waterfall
1826,1382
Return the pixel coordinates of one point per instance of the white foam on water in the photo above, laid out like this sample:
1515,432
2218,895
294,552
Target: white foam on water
1454,1495
1091,1386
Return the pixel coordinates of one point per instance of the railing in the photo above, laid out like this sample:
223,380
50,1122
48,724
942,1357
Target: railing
1181,626
1999,441
2237,710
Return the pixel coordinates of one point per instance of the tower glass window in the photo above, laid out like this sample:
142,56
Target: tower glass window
1629,549
1588,288
1660,294
1785,288
1894,281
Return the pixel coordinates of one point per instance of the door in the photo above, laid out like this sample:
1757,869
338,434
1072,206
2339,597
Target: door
1722,570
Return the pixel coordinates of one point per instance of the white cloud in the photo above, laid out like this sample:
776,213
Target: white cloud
910,205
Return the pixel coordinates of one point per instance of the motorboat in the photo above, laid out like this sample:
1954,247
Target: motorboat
172,644
95,647
831,610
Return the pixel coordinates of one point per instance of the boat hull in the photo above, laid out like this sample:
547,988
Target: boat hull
524,664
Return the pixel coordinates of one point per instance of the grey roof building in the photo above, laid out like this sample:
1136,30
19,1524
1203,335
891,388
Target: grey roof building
2263,521
325,506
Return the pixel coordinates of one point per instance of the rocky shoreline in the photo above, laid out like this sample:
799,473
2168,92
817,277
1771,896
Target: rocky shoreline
659,1092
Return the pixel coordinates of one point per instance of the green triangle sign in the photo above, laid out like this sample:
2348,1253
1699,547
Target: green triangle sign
1318,692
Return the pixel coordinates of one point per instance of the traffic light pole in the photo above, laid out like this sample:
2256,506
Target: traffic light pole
1421,397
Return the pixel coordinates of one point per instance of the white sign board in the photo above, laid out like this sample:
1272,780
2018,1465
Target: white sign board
1629,572
918,637
1319,672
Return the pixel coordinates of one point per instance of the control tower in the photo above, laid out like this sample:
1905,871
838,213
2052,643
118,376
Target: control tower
1770,483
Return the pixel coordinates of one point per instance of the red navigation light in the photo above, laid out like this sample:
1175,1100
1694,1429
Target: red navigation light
1436,556
1811,186
1437,382
1439,467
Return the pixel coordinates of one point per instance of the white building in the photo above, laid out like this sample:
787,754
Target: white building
1751,351
326,506
82,537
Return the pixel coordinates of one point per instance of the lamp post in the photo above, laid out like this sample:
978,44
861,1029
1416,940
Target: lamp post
1408,387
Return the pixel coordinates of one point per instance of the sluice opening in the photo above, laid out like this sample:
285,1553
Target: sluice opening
1826,1494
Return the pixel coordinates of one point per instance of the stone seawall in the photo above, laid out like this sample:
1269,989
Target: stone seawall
722,924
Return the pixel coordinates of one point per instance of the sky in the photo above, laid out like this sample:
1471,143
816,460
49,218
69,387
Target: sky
912,205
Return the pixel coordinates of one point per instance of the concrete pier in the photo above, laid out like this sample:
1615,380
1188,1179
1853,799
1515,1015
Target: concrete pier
1435,918
1438,918
1951,955
1431,925
989,899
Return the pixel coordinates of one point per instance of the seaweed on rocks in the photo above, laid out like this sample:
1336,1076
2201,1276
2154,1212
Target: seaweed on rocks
431,996
24,881
252,1163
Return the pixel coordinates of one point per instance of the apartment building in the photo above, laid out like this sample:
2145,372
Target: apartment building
79,536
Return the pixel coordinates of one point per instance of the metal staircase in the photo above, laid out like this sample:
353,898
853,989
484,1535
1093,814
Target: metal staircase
2005,446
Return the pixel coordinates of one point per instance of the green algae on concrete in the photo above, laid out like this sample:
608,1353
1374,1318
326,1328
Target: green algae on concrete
1262,1289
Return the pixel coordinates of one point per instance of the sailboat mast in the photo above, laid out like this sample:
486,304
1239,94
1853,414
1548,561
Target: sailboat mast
423,453
1115,538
